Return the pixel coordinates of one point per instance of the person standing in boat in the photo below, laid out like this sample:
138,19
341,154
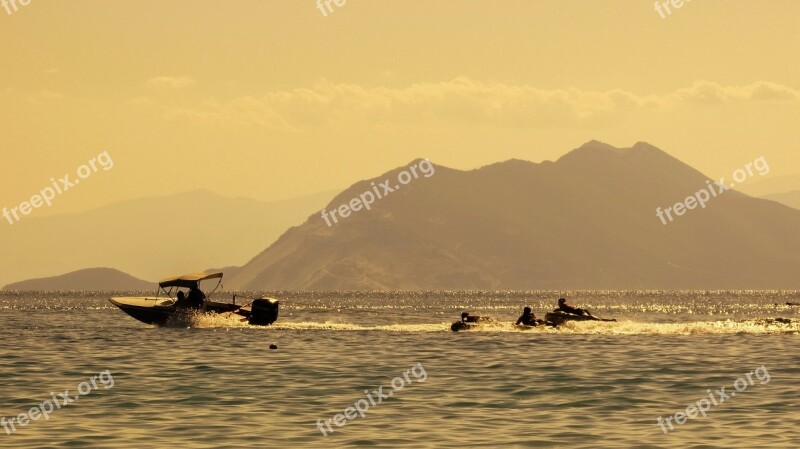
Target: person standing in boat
563,306
196,296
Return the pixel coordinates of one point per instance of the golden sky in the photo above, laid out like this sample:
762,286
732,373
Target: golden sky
271,99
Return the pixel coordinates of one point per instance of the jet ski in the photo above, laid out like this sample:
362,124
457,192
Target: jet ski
165,309
470,322
539,324
558,317
462,326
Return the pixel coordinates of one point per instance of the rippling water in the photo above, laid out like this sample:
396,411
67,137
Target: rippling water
215,383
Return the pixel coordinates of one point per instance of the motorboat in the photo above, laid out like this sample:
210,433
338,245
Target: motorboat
166,307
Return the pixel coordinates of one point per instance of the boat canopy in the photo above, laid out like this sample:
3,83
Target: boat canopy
188,280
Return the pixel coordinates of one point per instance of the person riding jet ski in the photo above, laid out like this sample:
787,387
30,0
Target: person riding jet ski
467,318
529,319
563,306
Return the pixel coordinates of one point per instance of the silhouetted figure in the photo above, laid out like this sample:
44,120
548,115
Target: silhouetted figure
467,318
470,322
567,308
527,318
196,297
182,301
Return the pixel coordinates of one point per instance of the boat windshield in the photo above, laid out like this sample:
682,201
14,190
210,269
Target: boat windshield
172,284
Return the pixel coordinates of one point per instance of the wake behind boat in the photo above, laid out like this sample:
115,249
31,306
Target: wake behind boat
165,308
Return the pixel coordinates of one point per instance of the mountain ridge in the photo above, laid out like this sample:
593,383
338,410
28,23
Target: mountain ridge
586,220
148,237
87,279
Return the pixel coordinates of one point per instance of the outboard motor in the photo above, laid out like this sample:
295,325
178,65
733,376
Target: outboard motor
264,311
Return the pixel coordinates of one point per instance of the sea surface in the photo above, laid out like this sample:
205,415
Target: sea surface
213,382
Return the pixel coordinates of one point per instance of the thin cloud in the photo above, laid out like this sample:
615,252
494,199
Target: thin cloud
459,101
708,92
170,82
45,96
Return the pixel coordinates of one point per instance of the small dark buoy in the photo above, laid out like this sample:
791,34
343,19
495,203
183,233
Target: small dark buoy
273,346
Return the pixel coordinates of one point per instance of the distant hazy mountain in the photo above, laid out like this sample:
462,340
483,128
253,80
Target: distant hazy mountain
791,199
228,272
88,279
587,220
770,185
783,189
151,238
